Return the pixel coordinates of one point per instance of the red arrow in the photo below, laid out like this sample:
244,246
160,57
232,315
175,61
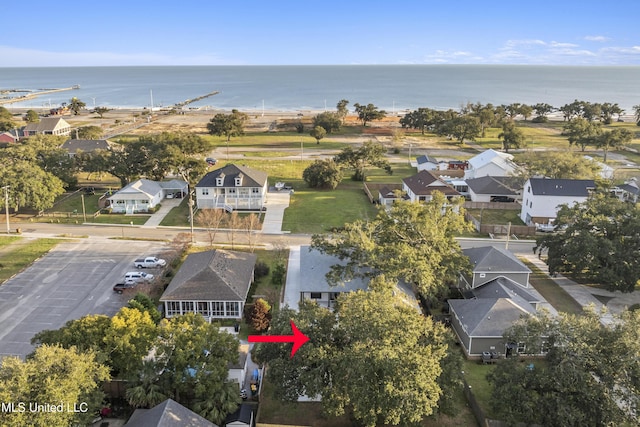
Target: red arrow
298,338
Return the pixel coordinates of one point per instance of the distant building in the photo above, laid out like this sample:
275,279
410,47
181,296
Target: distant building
426,163
74,146
490,163
47,126
144,195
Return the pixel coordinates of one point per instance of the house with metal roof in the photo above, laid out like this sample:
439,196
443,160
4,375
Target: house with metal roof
425,162
542,197
232,187
167,414
214,284
421,186
47,126
491,163
143,195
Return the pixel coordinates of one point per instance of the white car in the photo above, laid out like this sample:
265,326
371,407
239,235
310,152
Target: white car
138,276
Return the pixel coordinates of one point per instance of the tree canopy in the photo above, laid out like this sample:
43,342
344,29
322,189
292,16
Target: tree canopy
52,375
76,105
368,154
598,240
318,133
591,375
6,120
329,121
387,381
368,113
413,242
227,125
582,132
558,165
512,136
460,127
323,174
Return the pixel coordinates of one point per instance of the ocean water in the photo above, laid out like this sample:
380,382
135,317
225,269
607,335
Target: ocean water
394,88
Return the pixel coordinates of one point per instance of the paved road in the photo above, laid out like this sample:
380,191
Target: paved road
72,280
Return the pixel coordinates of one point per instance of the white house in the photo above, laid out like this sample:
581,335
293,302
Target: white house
426,163
238,370
47,126
232,187
421,186
490,163
214,284
143,195
542,197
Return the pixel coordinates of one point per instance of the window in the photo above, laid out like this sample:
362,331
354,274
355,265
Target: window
521,347
205,191
173,308
203,308
217,308
531,204
219,182
233,309
187,306
316,295
483,275
238,182
255,191
232,191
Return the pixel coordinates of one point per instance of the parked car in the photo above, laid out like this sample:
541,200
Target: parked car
89,190
137,277
121,287
149,262
211,161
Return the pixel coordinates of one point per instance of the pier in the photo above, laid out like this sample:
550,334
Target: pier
189,101
32,95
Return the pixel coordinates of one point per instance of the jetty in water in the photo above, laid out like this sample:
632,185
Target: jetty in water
189,101
31,94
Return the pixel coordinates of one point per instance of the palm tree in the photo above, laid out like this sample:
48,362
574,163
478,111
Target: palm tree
147,393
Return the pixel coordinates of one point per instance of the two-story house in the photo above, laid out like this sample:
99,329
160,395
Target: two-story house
542,197
490,163
232,187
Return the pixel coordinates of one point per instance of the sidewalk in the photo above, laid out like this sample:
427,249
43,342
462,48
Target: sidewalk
585,295
166,206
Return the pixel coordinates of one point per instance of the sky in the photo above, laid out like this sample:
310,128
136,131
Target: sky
251,32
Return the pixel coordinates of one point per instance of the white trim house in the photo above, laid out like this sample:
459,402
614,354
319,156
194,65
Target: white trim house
47,126
421,186
490,163
143,195
214,284
232,187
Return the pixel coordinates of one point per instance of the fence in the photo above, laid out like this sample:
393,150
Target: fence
493,205
475,406
500,229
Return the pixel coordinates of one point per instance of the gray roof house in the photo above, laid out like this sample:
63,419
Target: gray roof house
243,417
542,197
488,263
232,187
167,414
73,146
490,163
496,294
47,126
143,195
490,188
212,283
313,285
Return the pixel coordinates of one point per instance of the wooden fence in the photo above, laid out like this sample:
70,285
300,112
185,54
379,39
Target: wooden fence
500,229
493,205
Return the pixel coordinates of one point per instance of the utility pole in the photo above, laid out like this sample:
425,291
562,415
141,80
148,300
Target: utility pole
84,212
506,246
191,215
6,206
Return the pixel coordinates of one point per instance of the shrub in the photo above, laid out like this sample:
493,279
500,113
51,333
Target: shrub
279,274
260,315
260,271
323,174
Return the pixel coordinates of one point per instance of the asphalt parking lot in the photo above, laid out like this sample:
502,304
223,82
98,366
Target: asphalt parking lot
74,279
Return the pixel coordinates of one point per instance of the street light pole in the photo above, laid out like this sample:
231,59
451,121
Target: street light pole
191,215
6,206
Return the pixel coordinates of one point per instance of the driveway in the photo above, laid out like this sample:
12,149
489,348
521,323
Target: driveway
74,279
277,202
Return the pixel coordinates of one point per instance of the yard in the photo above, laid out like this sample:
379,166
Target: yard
497,216
554,294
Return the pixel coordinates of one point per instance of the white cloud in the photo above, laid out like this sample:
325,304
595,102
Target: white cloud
597,38
558,44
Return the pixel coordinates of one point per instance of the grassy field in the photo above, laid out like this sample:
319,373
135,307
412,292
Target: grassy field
22,254
276,141
7,240
554,294
476,375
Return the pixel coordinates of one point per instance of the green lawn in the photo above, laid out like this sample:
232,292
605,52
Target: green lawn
7,240
277,140
22,255
318,211
73,203
476,375
554,294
